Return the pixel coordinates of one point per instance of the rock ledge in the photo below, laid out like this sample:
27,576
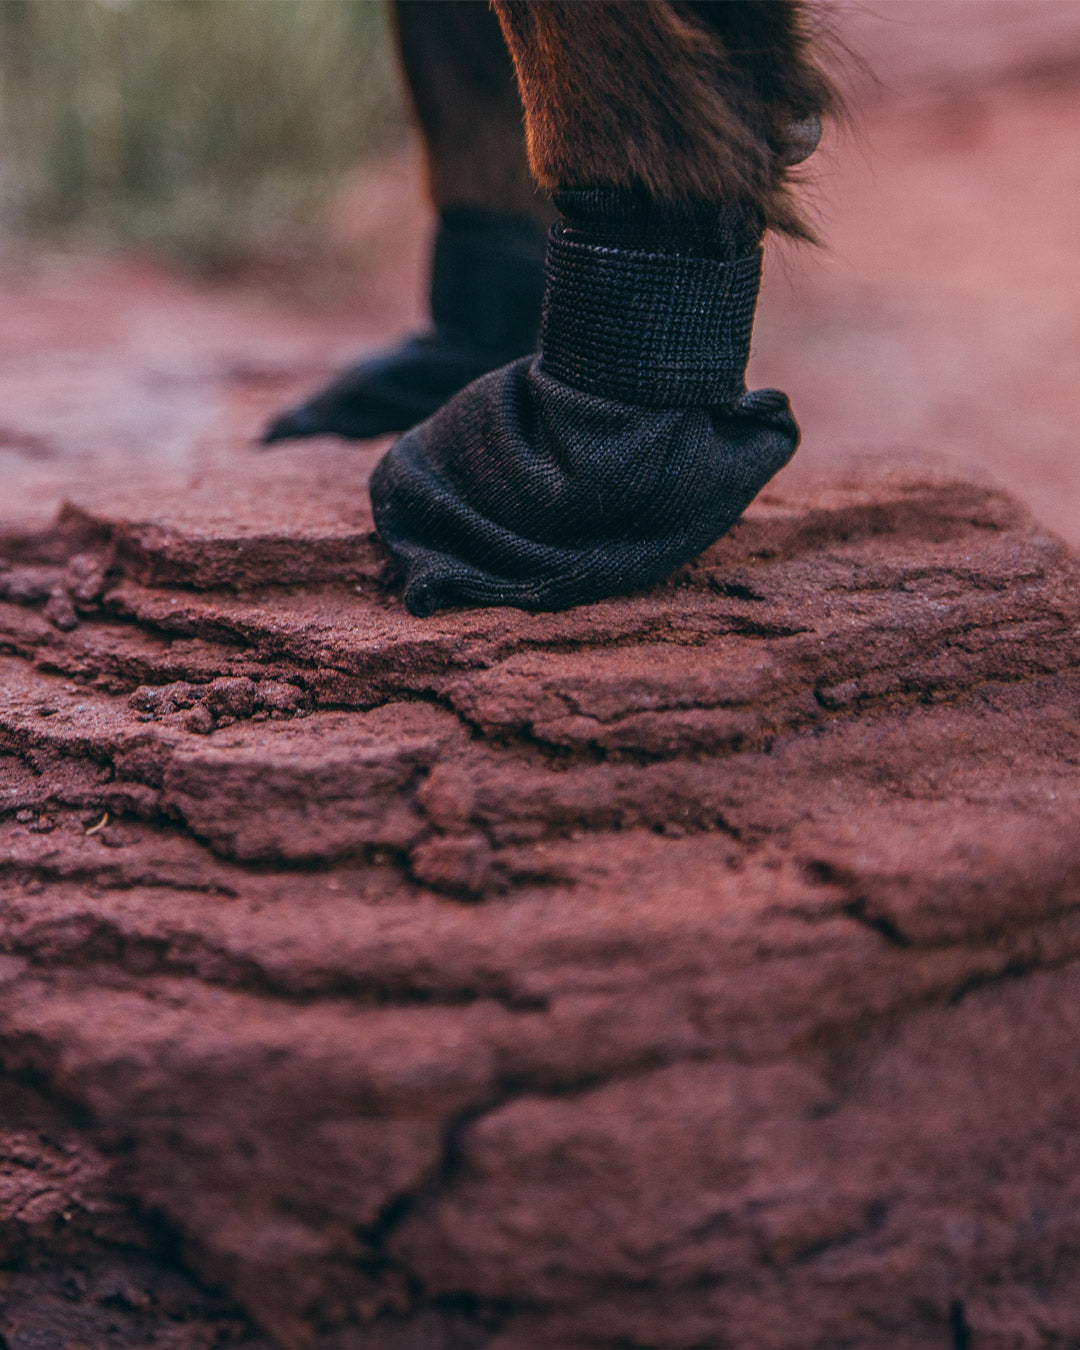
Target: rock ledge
696,969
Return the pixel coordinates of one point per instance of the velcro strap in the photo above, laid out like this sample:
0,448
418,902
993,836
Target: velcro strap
655,329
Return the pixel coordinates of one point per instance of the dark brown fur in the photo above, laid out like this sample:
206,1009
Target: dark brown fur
466,99
689,101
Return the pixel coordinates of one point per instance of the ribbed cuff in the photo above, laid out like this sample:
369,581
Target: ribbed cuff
649,327
629,218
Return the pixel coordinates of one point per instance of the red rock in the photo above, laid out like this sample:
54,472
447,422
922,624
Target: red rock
695,968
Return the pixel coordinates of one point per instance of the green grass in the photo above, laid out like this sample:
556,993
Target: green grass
210,129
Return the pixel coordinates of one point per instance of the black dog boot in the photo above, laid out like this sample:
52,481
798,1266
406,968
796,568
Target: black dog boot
624,449
487,283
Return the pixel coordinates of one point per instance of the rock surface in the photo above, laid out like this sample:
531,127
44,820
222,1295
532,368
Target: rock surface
692,969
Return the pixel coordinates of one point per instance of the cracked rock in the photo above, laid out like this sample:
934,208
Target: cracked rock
696,968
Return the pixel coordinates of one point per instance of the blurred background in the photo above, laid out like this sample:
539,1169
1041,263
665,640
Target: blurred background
208,205
208,130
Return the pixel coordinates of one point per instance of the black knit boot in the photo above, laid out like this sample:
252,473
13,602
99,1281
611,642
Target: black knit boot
620,452
487,282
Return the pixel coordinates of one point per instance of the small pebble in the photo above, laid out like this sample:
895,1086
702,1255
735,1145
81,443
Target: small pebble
60,612
233,696
199,720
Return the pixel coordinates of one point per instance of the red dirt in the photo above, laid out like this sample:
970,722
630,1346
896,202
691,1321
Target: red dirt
697,969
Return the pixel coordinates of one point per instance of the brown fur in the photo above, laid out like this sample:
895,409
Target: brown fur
689,101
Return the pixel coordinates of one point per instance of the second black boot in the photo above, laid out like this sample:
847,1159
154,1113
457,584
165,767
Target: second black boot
487,285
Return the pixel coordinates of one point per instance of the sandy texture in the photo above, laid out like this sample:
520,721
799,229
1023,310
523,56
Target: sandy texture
689,969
